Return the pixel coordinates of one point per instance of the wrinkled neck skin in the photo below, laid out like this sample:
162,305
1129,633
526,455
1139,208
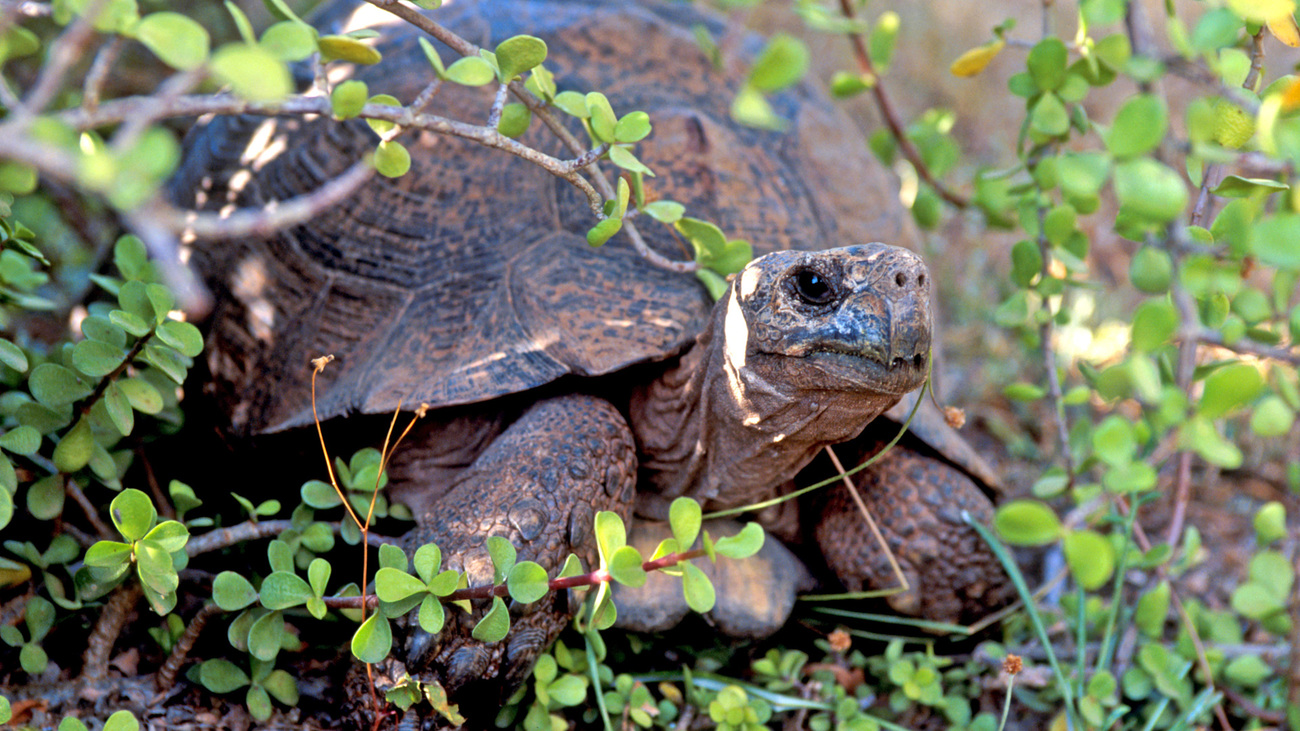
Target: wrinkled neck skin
726,433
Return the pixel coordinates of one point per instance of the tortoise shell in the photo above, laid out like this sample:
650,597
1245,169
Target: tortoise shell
469,277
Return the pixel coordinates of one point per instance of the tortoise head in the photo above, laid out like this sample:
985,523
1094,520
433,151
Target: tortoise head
853,320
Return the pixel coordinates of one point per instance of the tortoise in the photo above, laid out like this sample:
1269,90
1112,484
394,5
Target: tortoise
564,379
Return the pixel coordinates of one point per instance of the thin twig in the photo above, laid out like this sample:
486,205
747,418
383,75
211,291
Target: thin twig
890,116
67,50
93,86
73,490
215,540
166,676
903,584
99,646
426,95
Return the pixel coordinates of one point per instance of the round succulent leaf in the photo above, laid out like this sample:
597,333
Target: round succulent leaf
258,703
1082,174
55,386
175,39
625,567
884,37
1090,556
182,336
98,327
514,121
568,690
1199,434
1150,190
1027,523
319,495
130,322
103,554
783,62
166,360
232,592
1154,324
119,409
432,615
23,440
744,544
1026,262
1046,63
1139,126
1049,116
503,555
45,498
572,103
75,449
1272,417
13,356
518,55
471,71
282,686
684,519
122,721
527,582
1271,569
623,157
6,507
1023,391
347,48
434,58
697,588
318,574
392,160
664,211
975,60
1235,186
290,40
611,534
601,115
252,72
495,625
632,127
264,637
427,561
349,97
393,557
1151,270
1271,240
284,589
39,617
394,585
155,567
1270,523
169,535
133,513
604,613
752,109
1229,388
1255,600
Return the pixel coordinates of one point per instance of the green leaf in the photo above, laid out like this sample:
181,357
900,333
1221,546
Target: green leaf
130,323
1272,417
156,568
122,721
697,588
119,410
1248,670
1254,600
503,555
1150,190
290,41
45,498
495,625
1272,240
432,615
1091,558
1230,388
884,36
142,395
1198,433
1235,186
266,635
1139,126
175,39
783,62
515,119
392,159
611,535
39,616
625,567
572,103
232,592
1152,610
258,703
471,71
1270,523
684,518
6,507
349,97
664,211
167,360
381,126
1027,523
527,582
75,449
283,589
182,336
55,386
133,514
22,440
1151,270
252,72
1049,116
169,535
32,659
1154,324
623,157
1046,63
601,115
752,109
744,544
632,127
221,676
105,554
393,585
282,686
96,359
519,55
1026,262
427,561
13,356
346,48
568,689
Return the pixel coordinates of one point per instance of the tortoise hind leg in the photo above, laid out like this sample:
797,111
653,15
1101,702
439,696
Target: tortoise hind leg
539,485
917,502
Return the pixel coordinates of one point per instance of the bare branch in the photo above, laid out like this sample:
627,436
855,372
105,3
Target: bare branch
95,78
68,48
215,540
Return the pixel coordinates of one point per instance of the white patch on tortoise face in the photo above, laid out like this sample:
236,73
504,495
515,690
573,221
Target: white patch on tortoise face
249,285
749,281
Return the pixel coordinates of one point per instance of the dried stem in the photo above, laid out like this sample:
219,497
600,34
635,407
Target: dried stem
68,48
93,86
215,540
111,620
890,116
166,676
74,491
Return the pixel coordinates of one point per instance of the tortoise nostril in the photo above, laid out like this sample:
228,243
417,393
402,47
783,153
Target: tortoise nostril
900,279
918,360
897,363
920,280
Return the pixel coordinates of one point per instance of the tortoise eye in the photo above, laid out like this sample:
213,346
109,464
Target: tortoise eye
812,287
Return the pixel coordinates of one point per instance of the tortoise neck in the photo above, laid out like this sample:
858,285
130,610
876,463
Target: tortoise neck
712,429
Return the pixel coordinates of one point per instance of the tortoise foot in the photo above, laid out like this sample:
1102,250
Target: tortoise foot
918,502
539,485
